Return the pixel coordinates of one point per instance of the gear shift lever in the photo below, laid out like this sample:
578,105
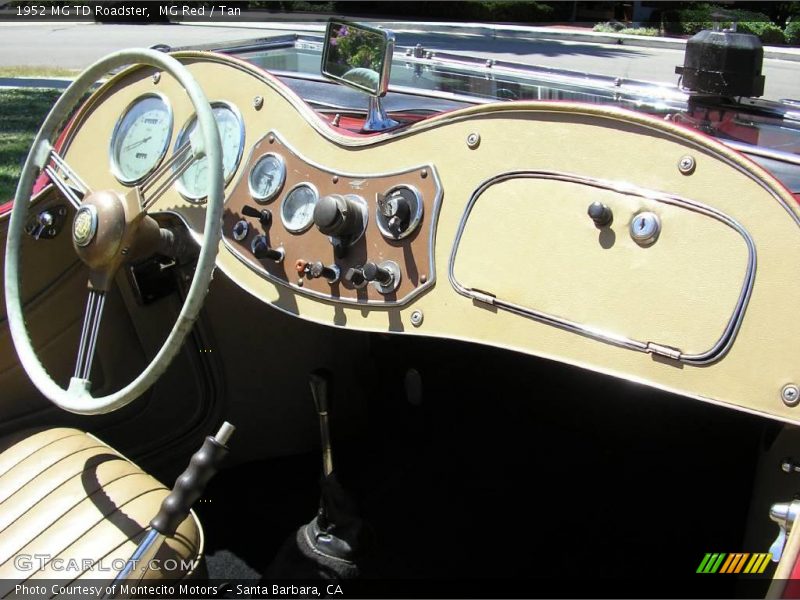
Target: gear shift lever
319,392
332,538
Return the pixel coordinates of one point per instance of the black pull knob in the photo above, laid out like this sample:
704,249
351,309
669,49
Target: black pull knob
339,216
261,250
355,275
263,215
373,272
600,214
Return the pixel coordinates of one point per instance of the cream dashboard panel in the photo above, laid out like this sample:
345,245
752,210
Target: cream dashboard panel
708,310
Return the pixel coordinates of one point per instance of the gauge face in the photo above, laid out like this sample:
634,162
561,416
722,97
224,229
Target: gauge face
193,184
297,211
140,138
267,177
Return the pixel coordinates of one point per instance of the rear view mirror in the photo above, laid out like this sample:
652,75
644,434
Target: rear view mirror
358,56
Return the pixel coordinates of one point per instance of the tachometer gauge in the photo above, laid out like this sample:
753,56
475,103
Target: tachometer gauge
297,210
267,177
193,184
140,138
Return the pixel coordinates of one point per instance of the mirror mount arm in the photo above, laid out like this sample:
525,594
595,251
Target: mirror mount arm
377,119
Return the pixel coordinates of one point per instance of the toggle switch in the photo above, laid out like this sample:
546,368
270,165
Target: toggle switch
263,215
315,270
355,276
261,250
382,275
385,277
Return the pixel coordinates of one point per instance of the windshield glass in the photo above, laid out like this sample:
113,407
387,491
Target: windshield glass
767,131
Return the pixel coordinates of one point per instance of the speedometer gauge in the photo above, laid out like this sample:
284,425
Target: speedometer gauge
140,138
297,210
193,184
266,177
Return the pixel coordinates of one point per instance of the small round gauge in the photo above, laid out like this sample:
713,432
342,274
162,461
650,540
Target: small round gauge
140,138
267,177
297,210
194,181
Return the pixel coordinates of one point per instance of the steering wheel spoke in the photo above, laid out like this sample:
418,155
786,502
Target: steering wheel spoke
173,168
89,332
65,178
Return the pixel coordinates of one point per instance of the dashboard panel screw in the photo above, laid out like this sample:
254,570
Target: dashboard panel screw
686,165
423,173
790,394
271,138
156,77
473,140
300,281
416,318
335,179
423,278
258,102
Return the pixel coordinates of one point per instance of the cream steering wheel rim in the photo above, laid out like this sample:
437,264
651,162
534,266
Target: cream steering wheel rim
77,397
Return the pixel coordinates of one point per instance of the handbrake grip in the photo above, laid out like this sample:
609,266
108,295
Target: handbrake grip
190,484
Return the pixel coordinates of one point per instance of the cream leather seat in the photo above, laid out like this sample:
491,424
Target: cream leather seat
66,495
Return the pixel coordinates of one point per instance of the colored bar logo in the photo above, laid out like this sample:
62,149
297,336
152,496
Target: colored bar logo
738,562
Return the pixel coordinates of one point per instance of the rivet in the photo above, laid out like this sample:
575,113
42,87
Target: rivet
271,138
416,318
423,173
790,394
423,278
473,140
335,179
156,77
686,165
300,282
258,102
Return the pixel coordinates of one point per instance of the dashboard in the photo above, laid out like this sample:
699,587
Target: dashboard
566,231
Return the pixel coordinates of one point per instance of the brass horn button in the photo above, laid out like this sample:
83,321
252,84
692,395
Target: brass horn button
84,226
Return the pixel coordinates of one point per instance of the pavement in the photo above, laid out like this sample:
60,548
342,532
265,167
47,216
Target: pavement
76,45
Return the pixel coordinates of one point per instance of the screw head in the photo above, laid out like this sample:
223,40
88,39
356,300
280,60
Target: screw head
423,173
416,318
335,179
258,102
790,394
156,77
686,165
473,140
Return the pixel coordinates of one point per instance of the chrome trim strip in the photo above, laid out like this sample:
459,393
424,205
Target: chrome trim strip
215,104
421,287
779,155
115,170
720,347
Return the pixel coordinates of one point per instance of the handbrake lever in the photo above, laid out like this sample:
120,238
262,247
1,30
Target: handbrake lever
188,488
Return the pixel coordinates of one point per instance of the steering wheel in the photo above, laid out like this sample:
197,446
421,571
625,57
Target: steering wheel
111,228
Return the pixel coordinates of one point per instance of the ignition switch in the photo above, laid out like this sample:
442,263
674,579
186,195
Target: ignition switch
399,212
